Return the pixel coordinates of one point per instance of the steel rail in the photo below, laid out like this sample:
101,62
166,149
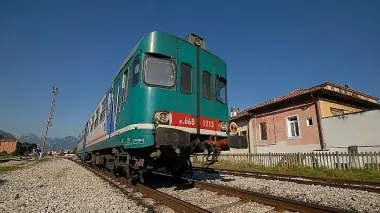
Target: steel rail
165,199
357,185
280,203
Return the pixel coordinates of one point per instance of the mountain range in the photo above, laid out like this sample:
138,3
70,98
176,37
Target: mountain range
68,142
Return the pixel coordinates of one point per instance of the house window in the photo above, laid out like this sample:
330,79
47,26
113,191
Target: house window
309,122
293,126
263,131
336,111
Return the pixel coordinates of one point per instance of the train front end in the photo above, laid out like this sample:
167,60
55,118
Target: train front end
189,112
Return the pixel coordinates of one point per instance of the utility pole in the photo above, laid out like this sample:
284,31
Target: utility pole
49,120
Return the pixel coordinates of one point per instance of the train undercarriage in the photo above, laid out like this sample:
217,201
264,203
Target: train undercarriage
133,163
172,150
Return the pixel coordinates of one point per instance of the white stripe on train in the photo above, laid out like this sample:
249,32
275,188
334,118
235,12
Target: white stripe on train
150,126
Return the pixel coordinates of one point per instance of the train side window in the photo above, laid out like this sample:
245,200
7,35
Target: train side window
92,123
221,89
109,102
103,114
97,117
124,87
207,85
135,70
186,82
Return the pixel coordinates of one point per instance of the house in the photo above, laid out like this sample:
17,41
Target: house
354,132
9,145
293,122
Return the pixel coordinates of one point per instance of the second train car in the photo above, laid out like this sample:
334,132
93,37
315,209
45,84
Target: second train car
167,102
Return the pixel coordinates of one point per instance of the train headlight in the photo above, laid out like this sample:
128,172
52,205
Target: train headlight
197,41
162,117
233,128
223,126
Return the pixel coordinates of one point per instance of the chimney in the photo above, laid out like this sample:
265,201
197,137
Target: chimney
346,85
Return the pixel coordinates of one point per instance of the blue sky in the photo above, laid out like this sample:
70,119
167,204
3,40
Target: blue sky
271,48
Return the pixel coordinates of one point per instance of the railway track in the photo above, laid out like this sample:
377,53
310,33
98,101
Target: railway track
164,199
280,204
357,185
236,196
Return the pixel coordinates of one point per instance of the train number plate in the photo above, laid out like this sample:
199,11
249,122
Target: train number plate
186,120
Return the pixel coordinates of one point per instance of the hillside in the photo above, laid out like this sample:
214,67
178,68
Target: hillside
68,142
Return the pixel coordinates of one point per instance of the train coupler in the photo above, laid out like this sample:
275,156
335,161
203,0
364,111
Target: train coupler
213,153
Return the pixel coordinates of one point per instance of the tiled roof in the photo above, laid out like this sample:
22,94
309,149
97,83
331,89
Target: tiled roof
290,95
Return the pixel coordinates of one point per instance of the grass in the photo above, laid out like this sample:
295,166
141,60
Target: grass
5,155
353,174
7,168
45,159
19,166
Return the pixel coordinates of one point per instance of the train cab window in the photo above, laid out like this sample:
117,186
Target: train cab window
135,70
207,85
159,72
221,89
186,82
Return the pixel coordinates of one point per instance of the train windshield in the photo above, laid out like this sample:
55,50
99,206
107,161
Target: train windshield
221,89
159,72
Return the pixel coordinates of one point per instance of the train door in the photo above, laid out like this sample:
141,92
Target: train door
110,123
210,108
116,106
84,142
187,75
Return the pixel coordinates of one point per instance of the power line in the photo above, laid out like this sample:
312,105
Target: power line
49,122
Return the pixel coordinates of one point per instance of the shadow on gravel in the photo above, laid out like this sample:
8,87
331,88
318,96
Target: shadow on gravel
169,184
157,181
202,176
3,182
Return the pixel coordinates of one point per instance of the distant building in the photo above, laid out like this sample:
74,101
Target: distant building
9,145
293,122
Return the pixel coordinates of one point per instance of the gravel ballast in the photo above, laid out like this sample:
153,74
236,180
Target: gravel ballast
60,185
356,200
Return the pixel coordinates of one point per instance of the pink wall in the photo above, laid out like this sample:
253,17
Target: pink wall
277,129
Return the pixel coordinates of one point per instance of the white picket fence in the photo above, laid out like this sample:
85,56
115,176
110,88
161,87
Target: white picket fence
331,160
